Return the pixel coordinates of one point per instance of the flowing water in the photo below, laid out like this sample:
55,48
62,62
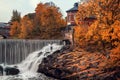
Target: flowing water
13,51
28,67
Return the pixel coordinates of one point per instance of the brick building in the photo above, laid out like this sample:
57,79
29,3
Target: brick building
71,15
87,21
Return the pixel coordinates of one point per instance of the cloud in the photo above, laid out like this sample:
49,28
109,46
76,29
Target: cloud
34,3
5,10
8,6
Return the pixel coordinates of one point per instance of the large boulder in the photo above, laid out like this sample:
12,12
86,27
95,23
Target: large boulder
11,71
50,70
78,65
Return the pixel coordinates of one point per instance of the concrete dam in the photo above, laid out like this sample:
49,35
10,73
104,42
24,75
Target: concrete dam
13,51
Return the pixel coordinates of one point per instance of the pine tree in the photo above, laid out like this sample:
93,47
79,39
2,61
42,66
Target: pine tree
16,16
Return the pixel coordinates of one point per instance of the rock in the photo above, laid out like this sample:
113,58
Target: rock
115,68
11,71
58,72
93,65
1,70
66,42
77,65
51,70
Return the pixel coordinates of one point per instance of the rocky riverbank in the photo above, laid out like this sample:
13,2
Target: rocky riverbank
78,65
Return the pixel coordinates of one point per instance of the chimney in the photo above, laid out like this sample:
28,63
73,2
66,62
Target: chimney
76,5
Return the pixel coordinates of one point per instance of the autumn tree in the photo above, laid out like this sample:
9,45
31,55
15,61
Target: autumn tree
107,20
15,29
15,24
87,8
49,19
26,28
79,36
105,29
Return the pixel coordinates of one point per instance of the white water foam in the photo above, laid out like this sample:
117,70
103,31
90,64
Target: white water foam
28,67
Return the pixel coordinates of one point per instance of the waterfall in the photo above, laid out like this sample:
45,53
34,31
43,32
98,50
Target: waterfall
36,57
13,51
28,67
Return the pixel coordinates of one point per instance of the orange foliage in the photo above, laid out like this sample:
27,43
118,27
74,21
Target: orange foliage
88,8
15,29
105,31
79,35
49,20
26,27
115,55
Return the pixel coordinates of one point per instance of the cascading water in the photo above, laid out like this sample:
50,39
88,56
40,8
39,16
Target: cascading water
28,67
13,51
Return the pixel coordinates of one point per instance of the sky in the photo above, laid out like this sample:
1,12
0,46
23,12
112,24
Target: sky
28,6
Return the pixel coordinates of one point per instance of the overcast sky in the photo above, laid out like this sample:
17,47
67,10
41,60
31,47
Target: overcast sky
28,6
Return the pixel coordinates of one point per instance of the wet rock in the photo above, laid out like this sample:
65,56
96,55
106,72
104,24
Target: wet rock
11,71
1,70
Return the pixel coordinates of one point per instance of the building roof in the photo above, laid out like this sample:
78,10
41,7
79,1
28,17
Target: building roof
75,8
4,25
90,18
